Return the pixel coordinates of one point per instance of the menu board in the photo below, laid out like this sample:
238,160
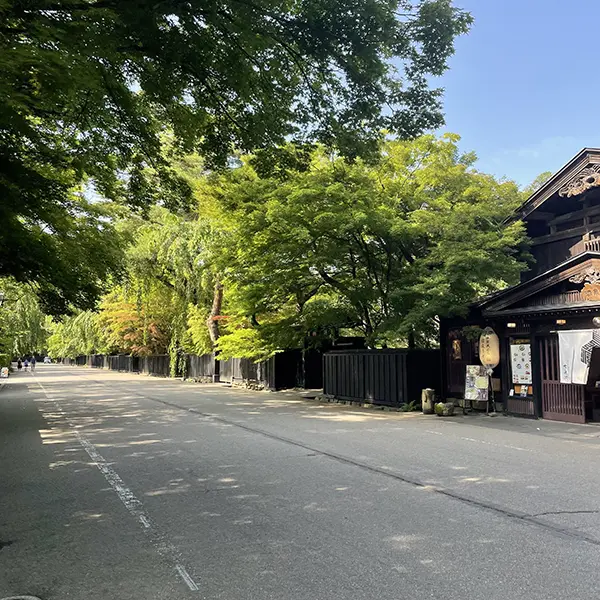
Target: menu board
520,361
476,383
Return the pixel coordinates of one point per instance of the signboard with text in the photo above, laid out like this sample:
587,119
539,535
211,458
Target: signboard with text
476,383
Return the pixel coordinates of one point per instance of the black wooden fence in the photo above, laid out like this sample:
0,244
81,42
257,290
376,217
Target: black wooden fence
149,365
205,365
238,369
284,370
156,365
384,377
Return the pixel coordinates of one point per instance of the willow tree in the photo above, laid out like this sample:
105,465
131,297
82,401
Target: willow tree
23,325
76,335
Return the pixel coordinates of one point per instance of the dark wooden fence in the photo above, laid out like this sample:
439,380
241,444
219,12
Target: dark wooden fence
284,370
97,360
155,365
384,377
149,365
205,365
238,369
121,362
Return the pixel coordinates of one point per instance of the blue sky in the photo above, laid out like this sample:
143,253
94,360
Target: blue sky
524,85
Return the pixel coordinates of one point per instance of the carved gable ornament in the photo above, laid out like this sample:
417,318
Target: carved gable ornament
591,289
586,180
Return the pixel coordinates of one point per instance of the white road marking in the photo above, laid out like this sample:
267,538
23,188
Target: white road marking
468,439
127,497
186,577
144,521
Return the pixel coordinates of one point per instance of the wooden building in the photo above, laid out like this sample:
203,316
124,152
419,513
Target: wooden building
549,324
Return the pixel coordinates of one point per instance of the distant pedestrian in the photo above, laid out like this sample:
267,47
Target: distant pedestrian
19,365
25,364
33,361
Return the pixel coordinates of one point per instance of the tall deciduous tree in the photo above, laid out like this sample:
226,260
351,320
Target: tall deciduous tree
312,245
383,249
537,183
88,88
174,250
137,325
69,249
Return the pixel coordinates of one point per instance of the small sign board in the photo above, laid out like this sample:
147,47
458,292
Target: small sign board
4,372
476,383
520,362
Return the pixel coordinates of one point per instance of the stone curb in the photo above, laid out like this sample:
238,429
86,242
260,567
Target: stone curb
328,399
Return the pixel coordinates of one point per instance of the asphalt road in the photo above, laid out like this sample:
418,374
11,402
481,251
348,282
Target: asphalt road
116,486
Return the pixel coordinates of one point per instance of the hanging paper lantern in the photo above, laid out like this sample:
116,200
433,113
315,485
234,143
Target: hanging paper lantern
489,348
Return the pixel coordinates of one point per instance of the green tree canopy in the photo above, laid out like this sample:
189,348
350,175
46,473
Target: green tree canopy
280,252
69,250
91,88
537,183
384,249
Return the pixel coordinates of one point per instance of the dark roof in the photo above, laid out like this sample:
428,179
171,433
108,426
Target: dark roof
537,280
579,162
544,310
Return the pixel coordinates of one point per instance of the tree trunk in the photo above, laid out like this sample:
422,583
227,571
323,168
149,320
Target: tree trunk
411,340
212,322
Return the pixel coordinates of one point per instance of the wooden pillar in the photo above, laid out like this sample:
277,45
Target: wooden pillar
505,376
536,369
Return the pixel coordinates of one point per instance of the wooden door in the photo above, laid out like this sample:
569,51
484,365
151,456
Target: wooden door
460,352
560,401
